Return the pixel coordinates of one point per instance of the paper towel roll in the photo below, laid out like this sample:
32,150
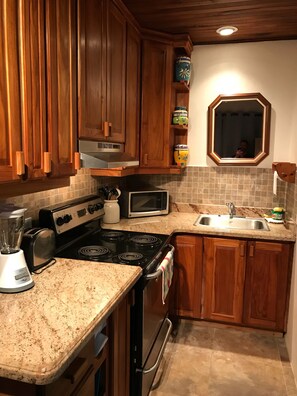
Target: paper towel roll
275,177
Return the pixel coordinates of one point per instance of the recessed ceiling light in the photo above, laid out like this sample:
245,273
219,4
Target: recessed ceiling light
226,30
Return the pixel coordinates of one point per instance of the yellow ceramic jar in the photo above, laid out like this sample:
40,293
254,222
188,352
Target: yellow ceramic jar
181,154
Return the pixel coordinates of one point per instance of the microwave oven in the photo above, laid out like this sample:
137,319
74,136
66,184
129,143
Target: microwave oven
141,202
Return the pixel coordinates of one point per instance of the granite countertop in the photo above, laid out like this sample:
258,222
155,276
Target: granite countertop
183,216
44,328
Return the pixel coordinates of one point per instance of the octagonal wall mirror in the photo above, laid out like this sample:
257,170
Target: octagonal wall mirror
238,129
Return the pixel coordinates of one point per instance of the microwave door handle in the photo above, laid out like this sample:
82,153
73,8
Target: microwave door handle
159,357
157,273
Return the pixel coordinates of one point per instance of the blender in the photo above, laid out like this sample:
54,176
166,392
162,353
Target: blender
14,274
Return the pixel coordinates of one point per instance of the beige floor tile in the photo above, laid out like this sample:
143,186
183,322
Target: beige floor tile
210,361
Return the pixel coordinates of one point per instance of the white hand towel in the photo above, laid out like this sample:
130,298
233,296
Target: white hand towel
166,267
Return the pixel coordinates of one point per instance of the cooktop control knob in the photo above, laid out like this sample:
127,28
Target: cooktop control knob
67,218
91,209
60,221
98,206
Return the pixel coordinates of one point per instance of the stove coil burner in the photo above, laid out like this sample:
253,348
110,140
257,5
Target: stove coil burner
94,251
112,235
131,257
146,240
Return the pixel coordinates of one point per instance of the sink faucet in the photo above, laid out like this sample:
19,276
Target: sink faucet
231,209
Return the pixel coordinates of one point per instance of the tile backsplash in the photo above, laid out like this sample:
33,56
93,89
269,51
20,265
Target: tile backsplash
250,187
218,185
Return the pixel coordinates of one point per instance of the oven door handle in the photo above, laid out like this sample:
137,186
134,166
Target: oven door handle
157,273
159,357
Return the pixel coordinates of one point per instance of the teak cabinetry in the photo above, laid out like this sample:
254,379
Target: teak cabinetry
160,96
38,76
187,279
242,282
101,71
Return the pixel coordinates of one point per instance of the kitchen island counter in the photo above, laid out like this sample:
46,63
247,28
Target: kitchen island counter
183,222
44,328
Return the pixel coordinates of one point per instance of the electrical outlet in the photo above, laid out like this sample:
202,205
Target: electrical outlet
28,223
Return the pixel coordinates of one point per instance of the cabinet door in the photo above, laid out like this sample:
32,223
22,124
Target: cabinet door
116,73
132,92
119,341
10,104
187,275
33,85
91,69
61,85
157,63
267,285
224,273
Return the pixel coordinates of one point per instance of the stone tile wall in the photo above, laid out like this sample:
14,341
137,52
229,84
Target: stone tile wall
218,185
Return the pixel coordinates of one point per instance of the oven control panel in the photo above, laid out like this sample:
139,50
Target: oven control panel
72,214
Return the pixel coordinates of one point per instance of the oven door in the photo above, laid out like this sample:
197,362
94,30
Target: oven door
156,328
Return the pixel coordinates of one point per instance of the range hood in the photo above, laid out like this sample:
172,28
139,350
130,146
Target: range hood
104,155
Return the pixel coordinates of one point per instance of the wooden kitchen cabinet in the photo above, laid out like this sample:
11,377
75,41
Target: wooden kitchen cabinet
61,46
187,284
38,75
224,274
10,107
160,96
101,71
157,61
267,285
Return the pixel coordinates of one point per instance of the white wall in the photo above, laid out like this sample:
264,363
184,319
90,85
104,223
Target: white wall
291,336
266,67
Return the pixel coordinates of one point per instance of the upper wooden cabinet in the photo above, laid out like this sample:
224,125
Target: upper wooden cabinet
61,45
10,104
160,96
38,79
101,71
157,61
267,285
224,274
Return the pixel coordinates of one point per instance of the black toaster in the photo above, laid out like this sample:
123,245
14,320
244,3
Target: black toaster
39,246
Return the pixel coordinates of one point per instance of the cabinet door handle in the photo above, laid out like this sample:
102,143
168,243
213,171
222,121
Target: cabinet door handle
251,251
47,159
242,249
20,163
145,159
106,128
77,164
76,369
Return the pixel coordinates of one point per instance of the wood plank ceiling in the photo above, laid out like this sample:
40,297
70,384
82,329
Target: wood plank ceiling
256,20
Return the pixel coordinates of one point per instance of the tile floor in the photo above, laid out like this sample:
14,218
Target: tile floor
220,361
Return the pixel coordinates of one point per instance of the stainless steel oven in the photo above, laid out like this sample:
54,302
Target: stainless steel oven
79,236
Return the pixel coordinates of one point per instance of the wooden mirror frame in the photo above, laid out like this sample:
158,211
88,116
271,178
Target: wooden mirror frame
265,125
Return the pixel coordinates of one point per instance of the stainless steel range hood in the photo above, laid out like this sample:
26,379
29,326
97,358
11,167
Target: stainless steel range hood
104,155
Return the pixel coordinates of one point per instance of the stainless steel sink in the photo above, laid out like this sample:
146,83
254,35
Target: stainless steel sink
238,223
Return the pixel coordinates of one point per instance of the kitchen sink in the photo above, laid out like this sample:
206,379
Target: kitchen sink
238,223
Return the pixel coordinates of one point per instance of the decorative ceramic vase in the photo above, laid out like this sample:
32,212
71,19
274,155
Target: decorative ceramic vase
183,69
181,153
180,116
111,211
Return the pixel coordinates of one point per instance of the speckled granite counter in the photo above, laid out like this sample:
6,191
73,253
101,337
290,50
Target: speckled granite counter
184,216
44,328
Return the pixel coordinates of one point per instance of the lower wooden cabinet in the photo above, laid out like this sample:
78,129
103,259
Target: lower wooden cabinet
267,283
187,283
224,270
240,281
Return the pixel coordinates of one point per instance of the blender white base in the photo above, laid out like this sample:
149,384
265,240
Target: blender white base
14,274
